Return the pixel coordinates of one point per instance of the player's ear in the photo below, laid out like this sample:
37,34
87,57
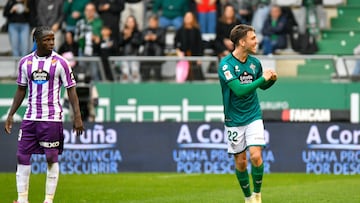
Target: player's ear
242,42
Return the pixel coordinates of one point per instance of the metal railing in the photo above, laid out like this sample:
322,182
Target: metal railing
343,65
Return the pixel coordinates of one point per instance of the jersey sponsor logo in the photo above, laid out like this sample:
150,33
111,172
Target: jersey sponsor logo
246,78
228,75
40,77
50,144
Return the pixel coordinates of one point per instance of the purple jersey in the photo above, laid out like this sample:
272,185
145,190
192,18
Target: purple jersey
44,77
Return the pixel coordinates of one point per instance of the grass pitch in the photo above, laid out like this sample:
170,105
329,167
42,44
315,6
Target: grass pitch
182,188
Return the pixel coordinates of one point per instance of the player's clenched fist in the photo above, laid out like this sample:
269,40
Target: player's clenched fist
267,74
273,76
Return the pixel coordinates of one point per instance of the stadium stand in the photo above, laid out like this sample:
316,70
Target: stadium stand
342,36
322,69
336,42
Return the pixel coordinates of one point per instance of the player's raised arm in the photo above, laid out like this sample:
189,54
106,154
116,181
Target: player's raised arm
18,99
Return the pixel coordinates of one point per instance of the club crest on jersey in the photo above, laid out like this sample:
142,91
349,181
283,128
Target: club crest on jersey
252,66
53,61
246,78
40,77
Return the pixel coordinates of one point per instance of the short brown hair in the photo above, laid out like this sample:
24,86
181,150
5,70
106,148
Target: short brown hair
240,31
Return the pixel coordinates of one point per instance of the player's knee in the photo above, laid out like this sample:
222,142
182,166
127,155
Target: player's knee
52,155
23,159
241,163
241,166
255,157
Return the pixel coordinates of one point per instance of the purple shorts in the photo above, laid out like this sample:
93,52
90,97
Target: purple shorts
37,136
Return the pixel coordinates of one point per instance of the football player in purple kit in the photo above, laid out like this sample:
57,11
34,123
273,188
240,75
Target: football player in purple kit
42,73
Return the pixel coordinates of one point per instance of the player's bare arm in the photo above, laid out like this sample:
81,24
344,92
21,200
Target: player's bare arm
18,99
73,98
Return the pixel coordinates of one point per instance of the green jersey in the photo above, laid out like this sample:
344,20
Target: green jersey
241,104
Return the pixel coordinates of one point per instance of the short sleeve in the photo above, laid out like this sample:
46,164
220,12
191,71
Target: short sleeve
66,74
22,78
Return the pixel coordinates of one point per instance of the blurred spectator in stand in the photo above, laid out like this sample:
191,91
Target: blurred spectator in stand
206,14
109,11
134,8
87,35
261,11
130,40
48,13
154,45
245,11
73,11
274,31
69,49
243,8
172,12
188,42
18,18
108,47
223,45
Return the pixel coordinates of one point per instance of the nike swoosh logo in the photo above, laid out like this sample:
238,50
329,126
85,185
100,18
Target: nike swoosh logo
245,186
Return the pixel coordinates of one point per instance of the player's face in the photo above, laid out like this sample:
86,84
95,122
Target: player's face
251,43
46,43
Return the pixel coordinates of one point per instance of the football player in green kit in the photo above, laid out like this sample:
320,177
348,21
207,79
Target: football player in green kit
240,75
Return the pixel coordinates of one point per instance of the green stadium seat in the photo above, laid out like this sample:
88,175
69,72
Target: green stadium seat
316,69
353,3
349,22
337,46
340,34
348,11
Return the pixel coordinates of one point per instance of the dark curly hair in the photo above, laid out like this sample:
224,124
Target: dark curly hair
39,32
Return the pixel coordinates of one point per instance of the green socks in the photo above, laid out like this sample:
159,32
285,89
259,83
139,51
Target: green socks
243,178
257,176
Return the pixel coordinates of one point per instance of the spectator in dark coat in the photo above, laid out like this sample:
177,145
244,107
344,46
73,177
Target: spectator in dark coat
130,41
18,18
188,42
69,49
48,13
154,44
274,31
223,45
108,47
109,11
